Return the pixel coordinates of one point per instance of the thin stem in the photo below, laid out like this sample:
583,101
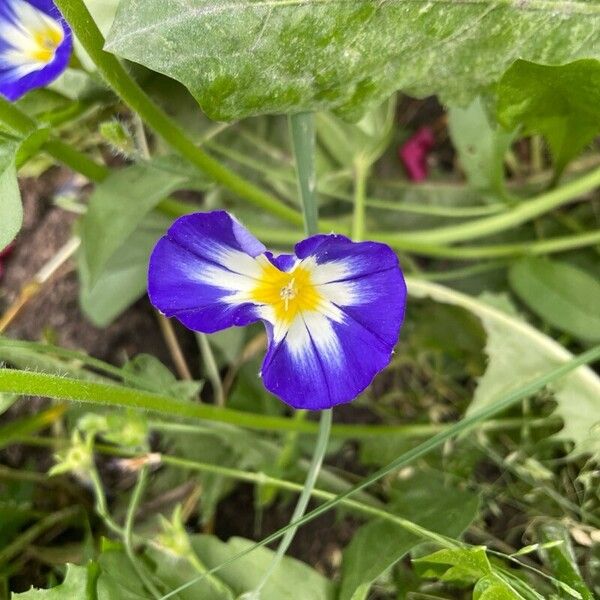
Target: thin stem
361,172
282,237
302,130
136,498
525,211
84,26
101,505
307,490
212,370
172,342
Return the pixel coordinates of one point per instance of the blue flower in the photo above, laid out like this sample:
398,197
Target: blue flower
35,45
332,311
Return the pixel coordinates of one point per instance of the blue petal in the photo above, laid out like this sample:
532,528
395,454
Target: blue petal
195,269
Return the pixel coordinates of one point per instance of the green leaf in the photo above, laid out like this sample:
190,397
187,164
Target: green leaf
291,580
123,279
11,210
493,588
516,353
158,378
561,559
481,147
560,102
248,57
563,295
466,564
364,141
423,499
74,586
119,204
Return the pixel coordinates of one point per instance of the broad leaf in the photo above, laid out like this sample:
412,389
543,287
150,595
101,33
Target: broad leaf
123,279
380,544
516,353
291,580
74,586
563,295
248,57
11,210
481,147
119,204
560,102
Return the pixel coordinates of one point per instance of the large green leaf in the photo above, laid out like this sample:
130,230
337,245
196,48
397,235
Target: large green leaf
517,352
247,57
426,500
560,102
563,295
11,210
120,203
74,586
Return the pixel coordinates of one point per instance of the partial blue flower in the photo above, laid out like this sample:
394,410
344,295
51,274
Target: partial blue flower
35,45
332,311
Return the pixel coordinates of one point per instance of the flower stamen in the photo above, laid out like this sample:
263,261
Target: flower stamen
288,292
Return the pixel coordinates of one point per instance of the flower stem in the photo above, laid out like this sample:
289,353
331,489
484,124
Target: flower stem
302,129
302,132
84,26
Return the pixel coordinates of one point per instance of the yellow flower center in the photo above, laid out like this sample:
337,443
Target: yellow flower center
45,41
287,293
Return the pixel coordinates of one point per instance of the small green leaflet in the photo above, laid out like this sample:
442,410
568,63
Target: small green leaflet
11,210
247,57
560,102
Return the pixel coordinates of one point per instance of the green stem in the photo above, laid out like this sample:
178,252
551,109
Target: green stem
29,535
136,498
14,118
302,131
527,210
84,26
281,237
212,371
361,172
101,505
463,426
29,383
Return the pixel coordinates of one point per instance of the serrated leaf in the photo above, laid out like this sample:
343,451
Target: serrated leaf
563,295
560,102
378,545
248,57
517,352
74,586
481,147
11,210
